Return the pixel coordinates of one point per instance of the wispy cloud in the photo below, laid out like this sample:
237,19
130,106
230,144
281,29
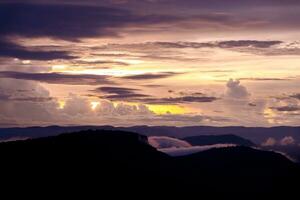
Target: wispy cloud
58,78
10,49
151,76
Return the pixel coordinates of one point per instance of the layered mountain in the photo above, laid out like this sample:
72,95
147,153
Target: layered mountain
117,160
256,134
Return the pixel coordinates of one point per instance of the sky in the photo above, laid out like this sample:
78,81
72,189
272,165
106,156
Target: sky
150,62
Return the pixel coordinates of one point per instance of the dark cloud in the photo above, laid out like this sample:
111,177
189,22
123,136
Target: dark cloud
296,96
60,21
134,95
183,99
265,79
151,76
289,108
171,50
82,19
247,43
153,86
116,90
119,93
99,62
9,49
196,45
130,96
71,22
58,78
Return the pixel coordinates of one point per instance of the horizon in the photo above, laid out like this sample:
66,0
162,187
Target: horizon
120,126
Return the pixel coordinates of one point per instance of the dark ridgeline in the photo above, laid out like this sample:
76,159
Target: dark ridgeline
102,161
257,135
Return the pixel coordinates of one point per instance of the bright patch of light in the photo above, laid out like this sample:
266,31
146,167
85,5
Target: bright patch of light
26,62
61,104
167,109
59,68
94,105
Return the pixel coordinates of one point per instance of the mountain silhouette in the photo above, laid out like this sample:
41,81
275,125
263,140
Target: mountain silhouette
117,160
257,135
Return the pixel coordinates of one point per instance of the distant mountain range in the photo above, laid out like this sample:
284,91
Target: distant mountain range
257,135
245,136
103,160
218,139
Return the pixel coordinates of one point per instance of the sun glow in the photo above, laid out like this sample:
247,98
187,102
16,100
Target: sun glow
167,109
94,105
61,104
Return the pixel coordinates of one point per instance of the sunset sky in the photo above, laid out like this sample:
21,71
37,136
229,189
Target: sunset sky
150,62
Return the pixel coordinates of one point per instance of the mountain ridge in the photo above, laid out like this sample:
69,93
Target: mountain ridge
125,160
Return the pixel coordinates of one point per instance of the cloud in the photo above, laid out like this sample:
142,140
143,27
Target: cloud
163,142
58,78
177,147
288,108
98,62
101,21
194,45
116,90
247,43
14,139
76,105
18,90
107,19
236,90
288,140
108,108
172,50
125,109
122,93
16,19
24,102
32,99
269,142
132,94
264,79
182,99
9,49
296,96
151,76
18,94
191,150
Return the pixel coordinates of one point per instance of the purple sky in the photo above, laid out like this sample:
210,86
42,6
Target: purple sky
154,62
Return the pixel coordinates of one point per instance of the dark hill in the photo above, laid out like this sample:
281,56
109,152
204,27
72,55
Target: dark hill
102,161
218,139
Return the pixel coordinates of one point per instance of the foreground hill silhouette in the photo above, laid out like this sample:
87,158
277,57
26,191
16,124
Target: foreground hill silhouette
117,160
